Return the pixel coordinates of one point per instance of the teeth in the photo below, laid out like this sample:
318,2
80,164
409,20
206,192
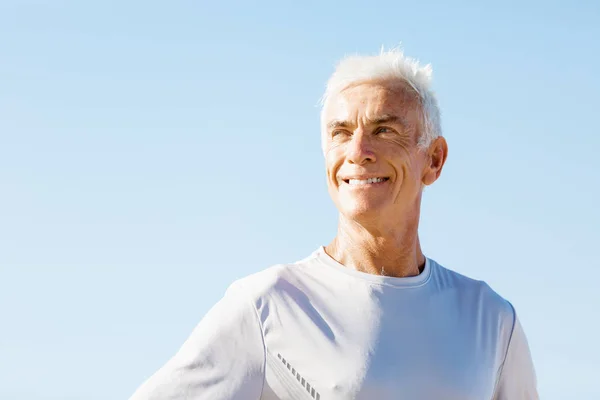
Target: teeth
365,181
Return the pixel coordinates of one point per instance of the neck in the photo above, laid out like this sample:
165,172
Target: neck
391,251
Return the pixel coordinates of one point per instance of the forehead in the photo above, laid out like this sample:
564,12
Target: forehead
370,100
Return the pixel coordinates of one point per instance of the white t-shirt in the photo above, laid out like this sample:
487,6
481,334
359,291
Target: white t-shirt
318,330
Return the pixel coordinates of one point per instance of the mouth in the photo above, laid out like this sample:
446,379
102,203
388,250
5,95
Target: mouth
365,182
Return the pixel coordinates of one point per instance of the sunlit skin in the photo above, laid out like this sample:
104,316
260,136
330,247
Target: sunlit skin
372,130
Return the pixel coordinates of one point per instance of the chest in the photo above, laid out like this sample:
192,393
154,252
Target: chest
371,355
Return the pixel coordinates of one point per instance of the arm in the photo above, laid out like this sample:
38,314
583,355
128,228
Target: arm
223,359
517,379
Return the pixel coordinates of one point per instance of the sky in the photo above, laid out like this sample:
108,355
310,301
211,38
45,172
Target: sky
151,153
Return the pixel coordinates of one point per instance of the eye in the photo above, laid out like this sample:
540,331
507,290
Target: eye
338,132
383,129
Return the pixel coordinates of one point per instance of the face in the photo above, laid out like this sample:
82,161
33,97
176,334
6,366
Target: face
375,169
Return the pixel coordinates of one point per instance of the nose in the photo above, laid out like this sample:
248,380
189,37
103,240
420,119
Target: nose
360,150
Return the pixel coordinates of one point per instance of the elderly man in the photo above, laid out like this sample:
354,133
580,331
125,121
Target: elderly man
368,316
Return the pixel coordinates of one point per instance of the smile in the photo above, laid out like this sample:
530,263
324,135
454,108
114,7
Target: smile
362,182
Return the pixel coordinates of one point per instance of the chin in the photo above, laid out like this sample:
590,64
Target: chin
361,210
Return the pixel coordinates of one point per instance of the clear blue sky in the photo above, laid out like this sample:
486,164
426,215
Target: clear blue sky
153,152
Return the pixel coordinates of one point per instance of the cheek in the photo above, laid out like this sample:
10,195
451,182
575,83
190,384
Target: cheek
412,173
408,172
333,161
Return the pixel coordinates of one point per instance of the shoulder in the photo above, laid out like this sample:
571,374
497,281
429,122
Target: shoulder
274,279
477,292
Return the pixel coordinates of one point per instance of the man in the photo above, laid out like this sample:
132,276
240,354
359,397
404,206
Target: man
369,316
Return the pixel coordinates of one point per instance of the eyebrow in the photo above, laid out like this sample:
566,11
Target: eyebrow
379,120
336,123
386,119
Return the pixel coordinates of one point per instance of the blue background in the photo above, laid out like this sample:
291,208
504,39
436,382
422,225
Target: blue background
152,152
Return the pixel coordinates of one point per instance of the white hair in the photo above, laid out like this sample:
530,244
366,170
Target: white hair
390,66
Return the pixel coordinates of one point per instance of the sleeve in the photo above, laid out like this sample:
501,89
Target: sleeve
517,379
223,359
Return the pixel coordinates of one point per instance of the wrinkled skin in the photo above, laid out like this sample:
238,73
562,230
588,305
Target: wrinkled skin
372,130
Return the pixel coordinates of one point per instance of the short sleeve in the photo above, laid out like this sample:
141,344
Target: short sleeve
223,359
517,379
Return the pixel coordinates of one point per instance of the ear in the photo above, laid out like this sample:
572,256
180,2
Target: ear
436,158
